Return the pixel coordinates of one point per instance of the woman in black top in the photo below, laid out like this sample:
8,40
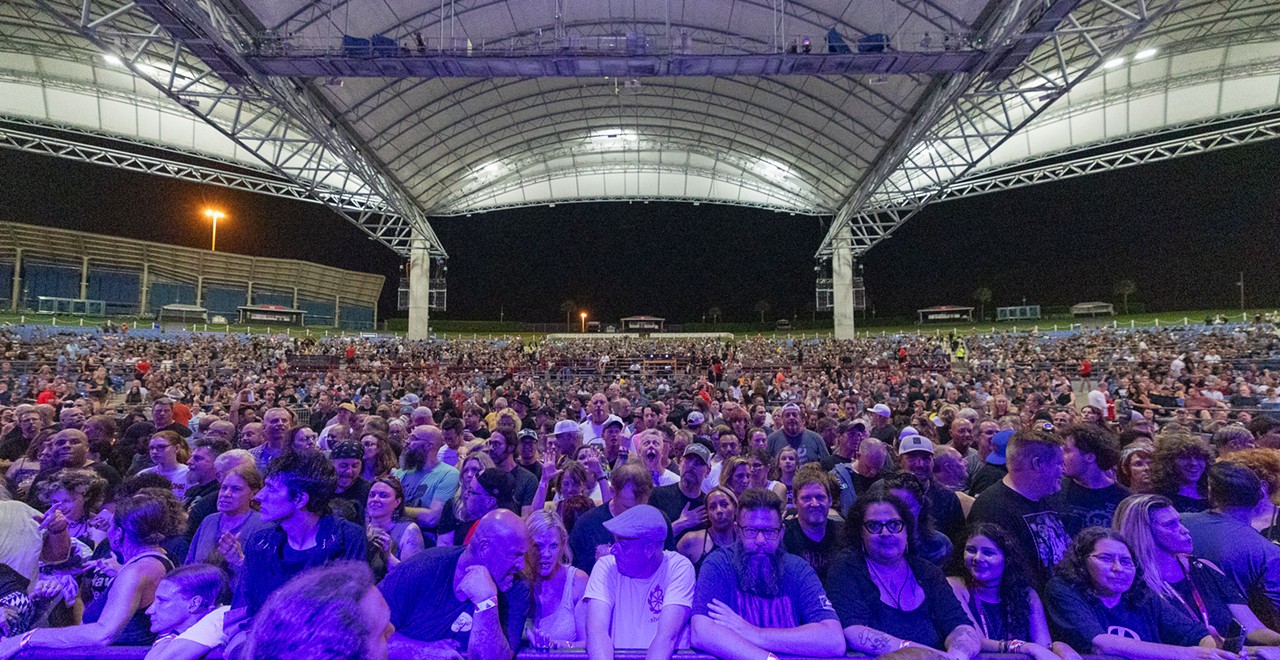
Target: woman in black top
993,587
1163,547
1179,470
885,596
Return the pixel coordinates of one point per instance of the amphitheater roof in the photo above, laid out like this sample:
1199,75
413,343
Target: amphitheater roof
487,104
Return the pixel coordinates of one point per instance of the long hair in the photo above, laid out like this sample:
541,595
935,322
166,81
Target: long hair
1074,567
1165,476
386,460
315,616
1014,582
1133,518
858,515
539,522
150,516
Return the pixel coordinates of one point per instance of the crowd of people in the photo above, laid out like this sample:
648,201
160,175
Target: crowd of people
1056,495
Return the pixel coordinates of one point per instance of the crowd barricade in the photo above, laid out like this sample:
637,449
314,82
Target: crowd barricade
138,652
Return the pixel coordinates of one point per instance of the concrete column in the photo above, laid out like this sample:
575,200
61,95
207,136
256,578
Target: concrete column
248,293
84,279
419,290
199,289
842,274
337,310
17,280
146,286
295,297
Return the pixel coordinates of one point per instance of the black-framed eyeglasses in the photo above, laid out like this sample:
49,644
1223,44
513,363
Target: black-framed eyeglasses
769,533
875,526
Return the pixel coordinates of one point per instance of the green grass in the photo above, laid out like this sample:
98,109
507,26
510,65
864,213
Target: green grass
500,330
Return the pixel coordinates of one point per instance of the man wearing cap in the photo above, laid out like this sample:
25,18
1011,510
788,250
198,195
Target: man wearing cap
683,502
346,411
850,435
881,429
694,423
993,467
640,595
469,600
529,451
916,454
568,437
590,539
502,450
597,414
753,599
809,446
428,482
347,461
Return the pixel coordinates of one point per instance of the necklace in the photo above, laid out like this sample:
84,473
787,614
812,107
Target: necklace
894,595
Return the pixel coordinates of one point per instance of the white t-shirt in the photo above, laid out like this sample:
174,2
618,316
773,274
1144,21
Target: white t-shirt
206,632
590,431
1098,400
178,477
636,603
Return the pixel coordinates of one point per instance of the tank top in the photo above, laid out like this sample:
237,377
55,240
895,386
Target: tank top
138,631
706,552
559,624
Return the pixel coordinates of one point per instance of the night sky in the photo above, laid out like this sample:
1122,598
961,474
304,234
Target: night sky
1182,230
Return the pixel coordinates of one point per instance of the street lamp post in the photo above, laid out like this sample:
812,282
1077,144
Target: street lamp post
584,322
214,216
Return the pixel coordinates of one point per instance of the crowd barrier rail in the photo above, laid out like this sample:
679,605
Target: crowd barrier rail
138,652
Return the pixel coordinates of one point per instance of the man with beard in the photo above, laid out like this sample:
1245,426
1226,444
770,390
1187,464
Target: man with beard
501,448
469,600
275,434
649,443
728,445
428,483
683,502
16,442
529,451
454,434
848,439
813,535
348,460
916,454
753,600
638,597
809,446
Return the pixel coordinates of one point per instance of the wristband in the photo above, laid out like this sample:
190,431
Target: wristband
906,643
486,604
1015,644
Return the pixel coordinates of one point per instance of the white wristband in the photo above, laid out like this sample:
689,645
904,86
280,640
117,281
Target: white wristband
487,604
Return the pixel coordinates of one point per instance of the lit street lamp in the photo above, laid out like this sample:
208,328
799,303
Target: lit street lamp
214,216
584,322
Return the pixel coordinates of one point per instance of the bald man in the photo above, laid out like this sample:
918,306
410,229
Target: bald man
448,598
69,449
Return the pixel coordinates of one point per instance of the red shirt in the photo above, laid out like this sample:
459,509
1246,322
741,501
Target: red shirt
45,396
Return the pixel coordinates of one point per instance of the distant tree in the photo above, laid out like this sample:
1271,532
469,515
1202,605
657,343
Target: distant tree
714,313
1125,288
567,307
983,295
763,308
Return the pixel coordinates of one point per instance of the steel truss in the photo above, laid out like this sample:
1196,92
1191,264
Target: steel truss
1040,50
189,51
82,152
1261,130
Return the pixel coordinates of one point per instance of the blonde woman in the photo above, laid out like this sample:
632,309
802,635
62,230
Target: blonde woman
558,619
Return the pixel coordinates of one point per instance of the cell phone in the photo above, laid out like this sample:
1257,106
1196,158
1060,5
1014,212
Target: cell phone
1233,640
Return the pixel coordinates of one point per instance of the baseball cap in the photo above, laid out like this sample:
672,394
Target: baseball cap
906,431
639,522
881,410
499,485
695,418
859,422
792,406
347,406
699,451
613,419
347,450
410,399
527,433
524,400
565,426
915,443
999,445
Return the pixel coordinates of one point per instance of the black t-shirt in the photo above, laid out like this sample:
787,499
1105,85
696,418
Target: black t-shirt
670,500
1089,507
358,495
818,554
830,461
986,475
1037,526
589,533
1185,504
856,599
1216,590
1077,618
526,486
534,468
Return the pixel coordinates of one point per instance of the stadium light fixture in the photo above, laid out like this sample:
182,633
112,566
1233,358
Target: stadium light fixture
584,322
113,60
1111,64
215,216
1146,54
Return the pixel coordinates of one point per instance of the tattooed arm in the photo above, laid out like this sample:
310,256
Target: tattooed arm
870,641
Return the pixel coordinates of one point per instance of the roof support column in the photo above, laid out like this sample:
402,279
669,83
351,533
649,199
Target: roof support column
842,275
419,289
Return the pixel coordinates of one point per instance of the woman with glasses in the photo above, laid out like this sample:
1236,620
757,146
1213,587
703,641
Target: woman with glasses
993,587
1163,548
379,459
758,461
1098,602
887,598
169,454
722,530
930,543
